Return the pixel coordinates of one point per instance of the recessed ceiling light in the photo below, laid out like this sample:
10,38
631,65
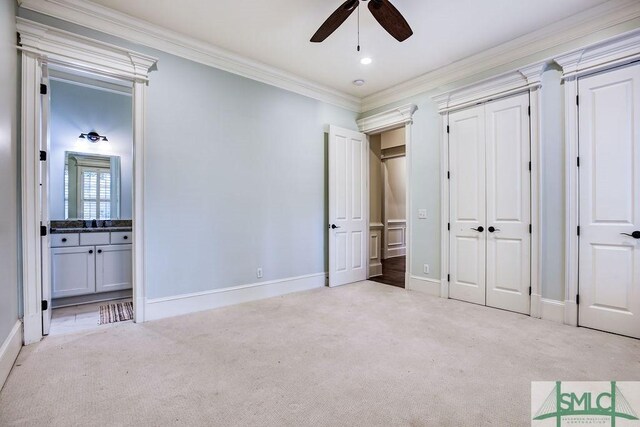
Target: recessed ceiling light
365,61
358,82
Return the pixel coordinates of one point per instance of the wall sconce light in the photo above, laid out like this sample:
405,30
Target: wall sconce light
93,137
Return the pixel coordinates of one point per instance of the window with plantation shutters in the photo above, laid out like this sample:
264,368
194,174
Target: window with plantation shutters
95,192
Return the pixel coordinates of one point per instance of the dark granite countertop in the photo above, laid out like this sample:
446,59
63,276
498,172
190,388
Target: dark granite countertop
78,226
88,230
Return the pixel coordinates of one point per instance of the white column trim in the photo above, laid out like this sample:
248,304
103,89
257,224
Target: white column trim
614,52
30,157
43,44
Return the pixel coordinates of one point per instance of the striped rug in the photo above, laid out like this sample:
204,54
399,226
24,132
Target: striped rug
118,312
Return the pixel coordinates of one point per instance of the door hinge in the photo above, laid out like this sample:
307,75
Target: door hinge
577,99
530,229
448,175
529,290
529,110
529,166
578,299
43,156
447,128
448,277
578,161
448,226
45,305
43,230
578,230
43,89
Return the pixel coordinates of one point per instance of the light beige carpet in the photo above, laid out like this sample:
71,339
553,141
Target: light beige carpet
361,355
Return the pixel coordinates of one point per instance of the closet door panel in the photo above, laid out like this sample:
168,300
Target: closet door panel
468,210
508,196
609,149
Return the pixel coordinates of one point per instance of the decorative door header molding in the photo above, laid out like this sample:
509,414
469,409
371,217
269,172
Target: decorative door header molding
618,50
83,53
387,120
526,78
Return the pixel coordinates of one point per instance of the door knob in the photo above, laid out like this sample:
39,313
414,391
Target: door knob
99,251
479,229
492,229
90,251
635,234
333,226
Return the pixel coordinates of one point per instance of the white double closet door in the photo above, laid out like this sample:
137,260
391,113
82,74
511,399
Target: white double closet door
609,200
490,197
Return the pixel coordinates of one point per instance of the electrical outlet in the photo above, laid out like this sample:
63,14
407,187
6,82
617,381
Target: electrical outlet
259,272
422,214
426,269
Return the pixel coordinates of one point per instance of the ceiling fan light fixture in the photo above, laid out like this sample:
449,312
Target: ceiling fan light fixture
366,60
358,82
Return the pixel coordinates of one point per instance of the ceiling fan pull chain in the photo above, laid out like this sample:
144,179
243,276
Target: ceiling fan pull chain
358,29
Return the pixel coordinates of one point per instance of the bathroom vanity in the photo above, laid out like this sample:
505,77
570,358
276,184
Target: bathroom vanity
90,260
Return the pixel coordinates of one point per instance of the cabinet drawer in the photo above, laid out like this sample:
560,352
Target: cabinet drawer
121,237
87,239
66,239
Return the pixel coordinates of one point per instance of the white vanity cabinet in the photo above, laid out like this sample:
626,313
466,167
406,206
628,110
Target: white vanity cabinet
73,271
113,268
87,263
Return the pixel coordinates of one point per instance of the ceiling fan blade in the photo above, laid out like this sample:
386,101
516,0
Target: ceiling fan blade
390,19
335,20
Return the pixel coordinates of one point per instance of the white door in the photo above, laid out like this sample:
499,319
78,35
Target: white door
609,150
113,268
348,212
45,241
467,204
508,203
73,271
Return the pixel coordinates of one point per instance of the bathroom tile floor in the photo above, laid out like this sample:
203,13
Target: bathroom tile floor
76,318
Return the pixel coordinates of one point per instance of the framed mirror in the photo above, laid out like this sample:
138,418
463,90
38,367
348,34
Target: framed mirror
91,186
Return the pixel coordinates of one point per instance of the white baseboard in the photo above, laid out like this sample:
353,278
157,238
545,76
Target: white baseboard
375,269
160,308
9,351
552,310
423,284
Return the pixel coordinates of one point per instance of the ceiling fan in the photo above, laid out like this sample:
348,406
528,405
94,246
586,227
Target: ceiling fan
384,12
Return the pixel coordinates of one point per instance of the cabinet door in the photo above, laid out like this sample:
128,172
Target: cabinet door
73,271
113,268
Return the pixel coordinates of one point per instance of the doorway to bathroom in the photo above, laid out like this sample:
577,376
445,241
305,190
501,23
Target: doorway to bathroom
90,173
45,48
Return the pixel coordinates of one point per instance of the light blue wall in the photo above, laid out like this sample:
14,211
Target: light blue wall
426,170
9,206
235,176
79,109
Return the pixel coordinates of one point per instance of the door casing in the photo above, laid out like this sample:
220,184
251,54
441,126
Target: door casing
41,45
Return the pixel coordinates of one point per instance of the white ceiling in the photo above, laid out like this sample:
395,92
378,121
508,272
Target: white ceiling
277,32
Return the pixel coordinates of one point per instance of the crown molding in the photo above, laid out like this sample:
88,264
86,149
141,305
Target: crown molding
527,78
103,19
615,51
596,19
387,120
83,53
